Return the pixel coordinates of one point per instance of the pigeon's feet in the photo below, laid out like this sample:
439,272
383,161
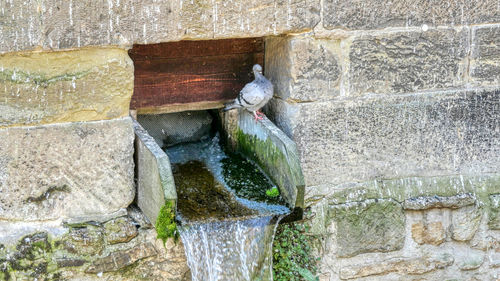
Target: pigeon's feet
258,116
259,113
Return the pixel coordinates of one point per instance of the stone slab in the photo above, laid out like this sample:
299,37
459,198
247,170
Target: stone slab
424,134
404,62
485,55
155,182
20,25
64,171
377,14
269,147
59,24
368,226
465,223
66,86
302,68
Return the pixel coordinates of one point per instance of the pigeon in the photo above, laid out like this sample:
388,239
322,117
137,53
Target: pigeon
254,95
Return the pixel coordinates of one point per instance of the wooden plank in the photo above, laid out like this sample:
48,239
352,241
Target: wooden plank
185,49
203,74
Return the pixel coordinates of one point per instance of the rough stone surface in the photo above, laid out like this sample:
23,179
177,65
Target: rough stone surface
118,260
485,58
437,133
58,24
404,62
303,69
369,226
377,14
67,170
428,202
20,25
86,241
155,182
50,87
81,252
404,266
174,128
465,222
120,230
494,214
428,233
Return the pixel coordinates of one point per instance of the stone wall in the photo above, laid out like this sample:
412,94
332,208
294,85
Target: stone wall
394,106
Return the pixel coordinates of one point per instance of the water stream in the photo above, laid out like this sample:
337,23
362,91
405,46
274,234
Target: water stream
226,220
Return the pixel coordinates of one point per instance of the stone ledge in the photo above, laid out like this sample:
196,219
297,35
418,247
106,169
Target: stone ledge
65,171
428,202
403,266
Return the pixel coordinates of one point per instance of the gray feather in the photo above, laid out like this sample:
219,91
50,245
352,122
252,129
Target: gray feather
255,94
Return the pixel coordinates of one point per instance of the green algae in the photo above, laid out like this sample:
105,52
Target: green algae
21,77
285,173
165,223
273,192
247,180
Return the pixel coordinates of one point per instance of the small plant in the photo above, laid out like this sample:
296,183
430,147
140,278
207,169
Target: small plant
165,223
292,254
273,192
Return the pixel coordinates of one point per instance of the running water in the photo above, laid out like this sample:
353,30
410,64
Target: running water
227,223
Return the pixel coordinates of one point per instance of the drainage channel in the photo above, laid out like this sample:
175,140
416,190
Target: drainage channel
230,179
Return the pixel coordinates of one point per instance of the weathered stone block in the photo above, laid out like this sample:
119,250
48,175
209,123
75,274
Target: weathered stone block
465,222
428,232
403,62
494,215
377,14
485,58
302,68
87,241
69,24
402,266
75,171
67,86
20,26
369,226
155,182
437,133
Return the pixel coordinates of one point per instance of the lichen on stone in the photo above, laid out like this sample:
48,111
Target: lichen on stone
165,223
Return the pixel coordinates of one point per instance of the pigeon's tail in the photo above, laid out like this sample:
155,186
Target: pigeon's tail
231,105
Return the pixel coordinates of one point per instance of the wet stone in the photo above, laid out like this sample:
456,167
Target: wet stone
87,240
428,202
69,262
201,197
368,226
120,259
120,230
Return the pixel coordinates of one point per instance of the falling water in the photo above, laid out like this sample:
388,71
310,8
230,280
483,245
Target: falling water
230,250
226,222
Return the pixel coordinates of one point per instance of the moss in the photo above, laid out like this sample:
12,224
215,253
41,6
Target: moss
273,192
21,77
406,188
292,254
165,223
